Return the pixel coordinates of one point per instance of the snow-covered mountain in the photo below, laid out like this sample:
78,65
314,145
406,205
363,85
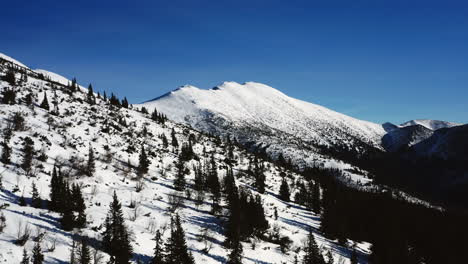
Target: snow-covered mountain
430,124
260,116
77,124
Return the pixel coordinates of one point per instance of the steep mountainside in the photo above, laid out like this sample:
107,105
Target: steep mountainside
75,125
260,115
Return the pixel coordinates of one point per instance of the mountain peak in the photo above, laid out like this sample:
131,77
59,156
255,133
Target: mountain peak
10,59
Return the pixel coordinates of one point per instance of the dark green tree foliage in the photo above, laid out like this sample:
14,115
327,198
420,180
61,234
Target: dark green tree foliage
116,240
36,200
176,247
114,100
125,102
186,152
315,198
84,253
91,164
144,162
174,141
28,99
164,140
68,218
73,87
259,176
37,256
199,181
8,96
235,256
144,110
45,103
284,193
10,77
158,257
5,158
354,257
57,191
214,186
233,224
90,95
312,251
179,182
78,206
25,259
158,117
28,154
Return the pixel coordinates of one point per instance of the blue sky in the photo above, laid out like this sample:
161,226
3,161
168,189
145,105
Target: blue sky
369,59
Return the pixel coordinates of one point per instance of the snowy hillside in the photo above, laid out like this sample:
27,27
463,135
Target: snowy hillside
78,125
267,120
430,124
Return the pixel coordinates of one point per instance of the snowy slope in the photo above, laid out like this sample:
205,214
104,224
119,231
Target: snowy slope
430,124
255,104
8,58
65,139
54,76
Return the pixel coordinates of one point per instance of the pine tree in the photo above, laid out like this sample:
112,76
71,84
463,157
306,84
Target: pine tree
174,141
315,199
158,257
25,259
36,201
78,206
143,162
213,185
28,153
284,190
164,140
312,252
10,77
259,177
73,249
45,102
68,218
90,95
176,247
116,240
6,152
179,182
235,257
37,256
125,102
91,165
8,96
84,254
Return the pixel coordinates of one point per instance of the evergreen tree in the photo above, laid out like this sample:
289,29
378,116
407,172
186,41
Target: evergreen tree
90,165
315,199
78,206
284,190
68,218
259,176
143,162
125,102
213,185
45,102
235,257
84,254
164,140
179,182
6,152
116,240
233,225
90,95
174,141
158,257
312,251
10,77
37,256
25,259
176,247
36,201
28,153
8,96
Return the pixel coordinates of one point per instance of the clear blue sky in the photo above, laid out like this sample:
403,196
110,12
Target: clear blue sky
369,59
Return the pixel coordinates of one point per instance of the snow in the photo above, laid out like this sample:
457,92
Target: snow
70,139
255,103
54,76
8,58
430,124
